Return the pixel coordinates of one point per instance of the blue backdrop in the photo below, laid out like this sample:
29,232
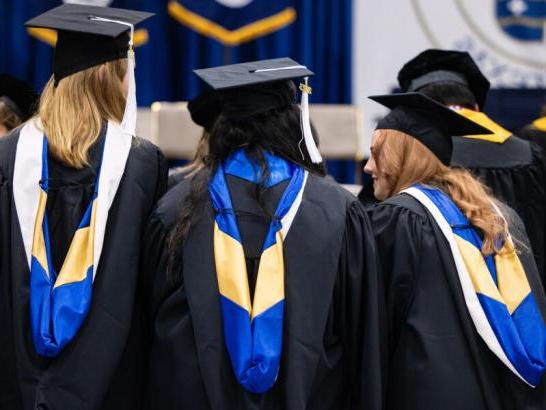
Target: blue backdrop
320,38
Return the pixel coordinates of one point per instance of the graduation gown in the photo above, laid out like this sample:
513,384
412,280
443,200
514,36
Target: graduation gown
437,360
516,174
102,367
534,134
333,335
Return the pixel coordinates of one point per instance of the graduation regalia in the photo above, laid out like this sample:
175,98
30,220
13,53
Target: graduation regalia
101,367
512,168
332,343
71,242
278,301
438,359
465,331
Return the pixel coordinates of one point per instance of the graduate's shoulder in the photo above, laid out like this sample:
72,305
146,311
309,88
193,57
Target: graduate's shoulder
326,191
146,165
145,151
400,203
168,207
515,152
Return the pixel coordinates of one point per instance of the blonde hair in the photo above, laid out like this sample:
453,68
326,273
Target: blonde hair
8,118
73,112
406,161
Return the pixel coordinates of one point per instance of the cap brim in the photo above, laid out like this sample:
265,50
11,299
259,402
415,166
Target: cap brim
443,116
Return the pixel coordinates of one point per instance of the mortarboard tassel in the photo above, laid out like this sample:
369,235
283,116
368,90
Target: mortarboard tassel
130,115
312,149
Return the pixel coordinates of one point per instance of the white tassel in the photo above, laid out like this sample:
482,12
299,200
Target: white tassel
312,149
128,124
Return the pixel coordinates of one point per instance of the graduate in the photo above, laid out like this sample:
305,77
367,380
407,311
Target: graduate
76,189
466,310
17,102
511,167
265,288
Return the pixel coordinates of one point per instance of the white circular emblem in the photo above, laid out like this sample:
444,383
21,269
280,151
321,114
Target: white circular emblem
473,26
100,3
234,4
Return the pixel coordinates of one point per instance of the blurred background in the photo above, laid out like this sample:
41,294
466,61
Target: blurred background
355,47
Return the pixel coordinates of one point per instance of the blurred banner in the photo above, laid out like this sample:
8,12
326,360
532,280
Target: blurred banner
189,34
505,37
233,22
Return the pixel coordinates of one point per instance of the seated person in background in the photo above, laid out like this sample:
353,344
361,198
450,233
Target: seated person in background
536,131
512,168
18,102
465,306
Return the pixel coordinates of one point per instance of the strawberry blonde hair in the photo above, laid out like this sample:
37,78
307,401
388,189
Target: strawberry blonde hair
405,161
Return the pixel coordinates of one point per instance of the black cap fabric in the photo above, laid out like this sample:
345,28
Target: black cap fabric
256,87
427,121
84,42
433,66
18,95
205,109
252,73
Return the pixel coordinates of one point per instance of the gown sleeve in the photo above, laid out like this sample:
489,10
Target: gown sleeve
163,175
360,294
399,234
521,394
154,267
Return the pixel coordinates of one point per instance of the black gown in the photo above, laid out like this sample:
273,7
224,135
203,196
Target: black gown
437,358
102,368
516,174
534,134
333,341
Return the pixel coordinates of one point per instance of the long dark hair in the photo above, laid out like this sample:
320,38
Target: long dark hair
277,131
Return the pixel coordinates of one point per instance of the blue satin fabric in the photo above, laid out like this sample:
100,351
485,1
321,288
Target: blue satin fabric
254,344
522,334
57,313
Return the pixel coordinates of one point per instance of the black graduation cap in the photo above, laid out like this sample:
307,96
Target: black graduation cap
84,38
205,108
427,121
433,65
256,87
18,95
